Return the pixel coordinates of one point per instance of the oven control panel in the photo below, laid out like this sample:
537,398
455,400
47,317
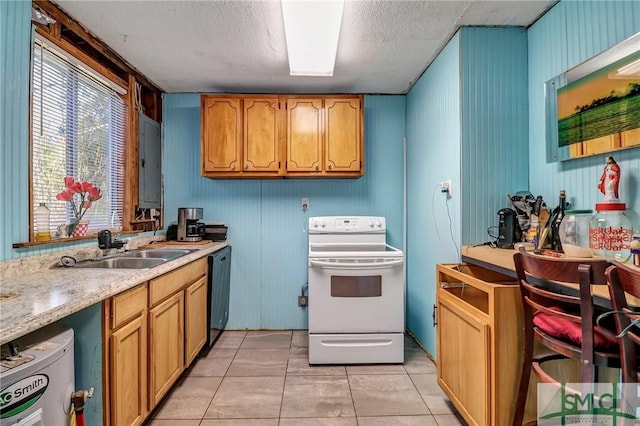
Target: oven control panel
347,224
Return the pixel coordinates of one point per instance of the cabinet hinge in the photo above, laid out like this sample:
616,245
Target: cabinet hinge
435,317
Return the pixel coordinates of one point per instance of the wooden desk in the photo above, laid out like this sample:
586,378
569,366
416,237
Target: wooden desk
501,260
480,339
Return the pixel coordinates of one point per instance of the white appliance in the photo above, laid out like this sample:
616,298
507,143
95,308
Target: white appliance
37,383
356,292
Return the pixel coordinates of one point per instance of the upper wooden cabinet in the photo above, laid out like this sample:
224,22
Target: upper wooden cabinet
241,136
221,131
305,135
343,129
261,137
282,136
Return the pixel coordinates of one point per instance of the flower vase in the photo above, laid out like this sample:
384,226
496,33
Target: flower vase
78,229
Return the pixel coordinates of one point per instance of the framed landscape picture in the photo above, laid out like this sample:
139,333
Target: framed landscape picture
600,112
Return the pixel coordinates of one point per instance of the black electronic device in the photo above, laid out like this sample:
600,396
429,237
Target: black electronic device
508,229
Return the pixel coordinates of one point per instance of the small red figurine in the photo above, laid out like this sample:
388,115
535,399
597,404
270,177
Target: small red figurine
609,181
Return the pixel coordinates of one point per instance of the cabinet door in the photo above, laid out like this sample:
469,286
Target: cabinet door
128,373
262,132
304,135
166,346
464,359
343,128
221,133
195,319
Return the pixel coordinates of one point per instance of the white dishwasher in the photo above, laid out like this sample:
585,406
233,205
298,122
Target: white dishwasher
37,383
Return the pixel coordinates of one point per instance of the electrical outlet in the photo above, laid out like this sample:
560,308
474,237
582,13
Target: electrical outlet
302,301
445,187
304,203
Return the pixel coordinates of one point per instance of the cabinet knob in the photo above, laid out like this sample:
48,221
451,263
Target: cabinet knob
329,166
317,167
246,166
233,167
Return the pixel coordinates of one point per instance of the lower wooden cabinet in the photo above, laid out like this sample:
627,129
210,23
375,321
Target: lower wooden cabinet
151,334
166,346
195,319
125,367
480,341
466,357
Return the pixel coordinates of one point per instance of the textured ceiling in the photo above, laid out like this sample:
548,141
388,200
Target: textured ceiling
239,46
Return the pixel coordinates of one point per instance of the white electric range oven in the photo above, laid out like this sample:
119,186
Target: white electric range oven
356,292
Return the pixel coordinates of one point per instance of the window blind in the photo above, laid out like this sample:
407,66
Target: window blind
78,130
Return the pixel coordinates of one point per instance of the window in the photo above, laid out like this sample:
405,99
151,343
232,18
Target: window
78,130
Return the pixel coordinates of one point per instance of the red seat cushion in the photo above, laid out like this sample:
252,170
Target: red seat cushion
564,329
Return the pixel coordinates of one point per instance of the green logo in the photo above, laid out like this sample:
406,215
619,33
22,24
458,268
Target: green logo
588,403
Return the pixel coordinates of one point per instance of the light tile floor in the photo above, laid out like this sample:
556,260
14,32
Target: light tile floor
262,378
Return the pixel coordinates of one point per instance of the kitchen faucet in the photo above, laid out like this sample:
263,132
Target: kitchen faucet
105,242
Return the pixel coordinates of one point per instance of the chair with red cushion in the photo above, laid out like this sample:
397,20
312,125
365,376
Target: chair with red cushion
555,319
624,280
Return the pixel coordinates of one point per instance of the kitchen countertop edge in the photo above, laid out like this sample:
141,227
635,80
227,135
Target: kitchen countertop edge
44,297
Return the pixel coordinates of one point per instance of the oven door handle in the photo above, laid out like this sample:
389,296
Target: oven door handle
356,266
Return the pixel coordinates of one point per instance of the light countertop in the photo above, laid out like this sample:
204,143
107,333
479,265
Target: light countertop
30,301
501,260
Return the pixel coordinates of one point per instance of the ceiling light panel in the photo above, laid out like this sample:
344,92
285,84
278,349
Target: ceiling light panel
312,30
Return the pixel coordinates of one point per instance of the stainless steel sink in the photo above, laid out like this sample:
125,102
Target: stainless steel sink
123,263
136,259
157,253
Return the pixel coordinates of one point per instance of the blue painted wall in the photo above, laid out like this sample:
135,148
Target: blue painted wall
493,79
571,33
15,54
433,155
466,121
267,228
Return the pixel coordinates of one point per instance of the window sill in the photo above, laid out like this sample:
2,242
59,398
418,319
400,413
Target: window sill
63,240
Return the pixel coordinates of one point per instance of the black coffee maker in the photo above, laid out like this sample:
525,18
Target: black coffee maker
509,231
189,226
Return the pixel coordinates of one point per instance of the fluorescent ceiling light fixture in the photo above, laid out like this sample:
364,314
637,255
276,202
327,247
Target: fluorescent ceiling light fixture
312,30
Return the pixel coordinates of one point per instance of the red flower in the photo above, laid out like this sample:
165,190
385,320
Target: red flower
87,192
65,196
94,193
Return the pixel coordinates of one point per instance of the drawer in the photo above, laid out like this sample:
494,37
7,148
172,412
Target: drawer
128,305
474,286
164,286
